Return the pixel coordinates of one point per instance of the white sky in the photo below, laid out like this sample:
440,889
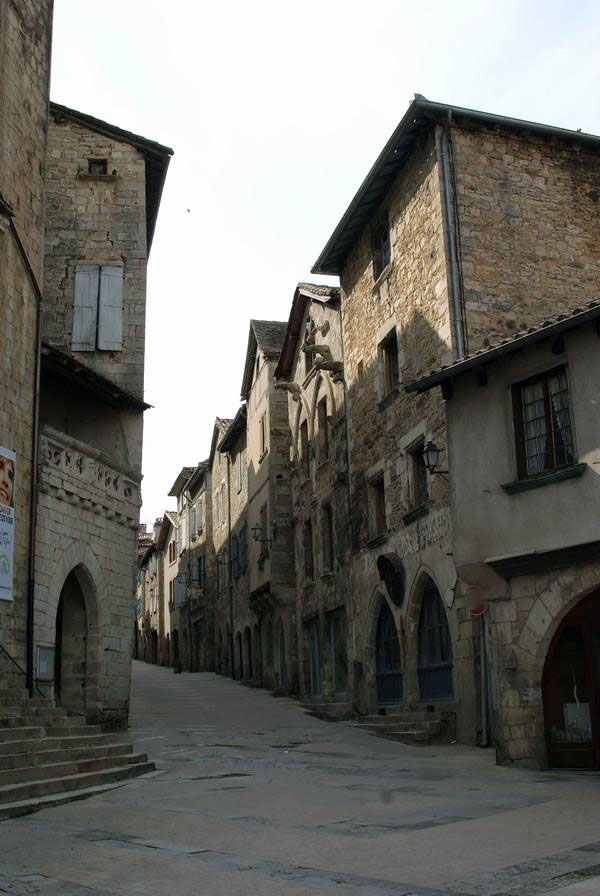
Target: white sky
276,111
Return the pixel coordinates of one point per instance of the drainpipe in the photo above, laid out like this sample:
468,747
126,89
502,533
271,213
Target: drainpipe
451,222
485,737
33,482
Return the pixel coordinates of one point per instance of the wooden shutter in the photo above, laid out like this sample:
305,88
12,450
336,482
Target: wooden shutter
85,308
110,309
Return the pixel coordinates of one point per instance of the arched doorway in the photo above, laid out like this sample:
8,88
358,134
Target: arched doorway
571,689
434,653
240,659
282,668
388,669
71,656
248,646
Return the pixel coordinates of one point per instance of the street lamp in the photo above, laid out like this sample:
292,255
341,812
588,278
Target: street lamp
431,457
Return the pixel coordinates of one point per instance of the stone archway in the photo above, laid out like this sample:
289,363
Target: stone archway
77,638
571,688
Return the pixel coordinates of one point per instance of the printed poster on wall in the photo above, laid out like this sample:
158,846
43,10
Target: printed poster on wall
7,521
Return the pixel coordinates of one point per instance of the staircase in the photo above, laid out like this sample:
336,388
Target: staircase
329,712
413,724
48,757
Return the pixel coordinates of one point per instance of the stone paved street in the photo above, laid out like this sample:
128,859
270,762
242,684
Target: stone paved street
252,796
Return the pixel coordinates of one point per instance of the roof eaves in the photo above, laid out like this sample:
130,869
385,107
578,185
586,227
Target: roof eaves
561,324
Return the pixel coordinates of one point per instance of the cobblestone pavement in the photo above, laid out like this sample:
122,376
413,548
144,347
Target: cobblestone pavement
252,796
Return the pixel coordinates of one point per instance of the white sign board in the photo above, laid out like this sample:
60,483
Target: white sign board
7,521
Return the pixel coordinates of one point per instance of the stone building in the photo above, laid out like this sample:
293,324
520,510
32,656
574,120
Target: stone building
272,592
310,368
235,613
147,606
103,188
196,564
454,198
25,39
526,532
166,549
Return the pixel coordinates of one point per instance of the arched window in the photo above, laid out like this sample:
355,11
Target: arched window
387,659
434,660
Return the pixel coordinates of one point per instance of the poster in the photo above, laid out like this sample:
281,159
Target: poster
7,521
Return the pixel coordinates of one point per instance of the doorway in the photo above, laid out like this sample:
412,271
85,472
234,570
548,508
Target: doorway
71,663
434,660
571,689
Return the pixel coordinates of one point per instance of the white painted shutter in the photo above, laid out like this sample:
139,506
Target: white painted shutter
110,310
85,308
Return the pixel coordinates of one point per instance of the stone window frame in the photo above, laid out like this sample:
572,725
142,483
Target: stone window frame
388,384
377,513
263,439
411,444
381,244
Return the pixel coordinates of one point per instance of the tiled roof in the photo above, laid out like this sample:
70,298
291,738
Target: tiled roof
269,336
182,477
316,289
551,327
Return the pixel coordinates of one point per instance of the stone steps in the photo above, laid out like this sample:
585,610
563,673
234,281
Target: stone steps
412,726
29,757
23,798
329,712
48,757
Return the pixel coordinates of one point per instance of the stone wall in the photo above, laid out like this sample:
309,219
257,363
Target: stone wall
96,219
408,301
87,527
528,214
25,38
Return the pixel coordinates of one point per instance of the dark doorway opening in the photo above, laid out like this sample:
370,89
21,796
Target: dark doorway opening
70,669
388,670
571,689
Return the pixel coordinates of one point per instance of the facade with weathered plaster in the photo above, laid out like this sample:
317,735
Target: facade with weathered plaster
526,532
166,549
310,369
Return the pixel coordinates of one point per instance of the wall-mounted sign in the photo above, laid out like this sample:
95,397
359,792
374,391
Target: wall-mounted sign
8,460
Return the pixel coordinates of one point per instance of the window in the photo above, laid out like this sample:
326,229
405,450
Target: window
200,515
309,563
390,369
201,571
323,431
98,308
235,557
377,507
171,601
543,423
243,549
417,473
97,167
327,537
263,435
304,458
264,531
239,465
381,245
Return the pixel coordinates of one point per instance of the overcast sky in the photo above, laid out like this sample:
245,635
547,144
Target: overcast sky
276,111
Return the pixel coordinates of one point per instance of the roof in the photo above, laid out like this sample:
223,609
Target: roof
235,428
221,426
76,373
548,329
421,114
169,521
268,336
197,476
182,477
304,293
156,156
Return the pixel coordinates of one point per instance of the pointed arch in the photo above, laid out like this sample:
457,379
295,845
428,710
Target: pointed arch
433,642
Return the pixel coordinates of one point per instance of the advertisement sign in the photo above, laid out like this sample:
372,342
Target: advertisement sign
7,521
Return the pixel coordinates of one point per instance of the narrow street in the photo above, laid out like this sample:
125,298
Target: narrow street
252,796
